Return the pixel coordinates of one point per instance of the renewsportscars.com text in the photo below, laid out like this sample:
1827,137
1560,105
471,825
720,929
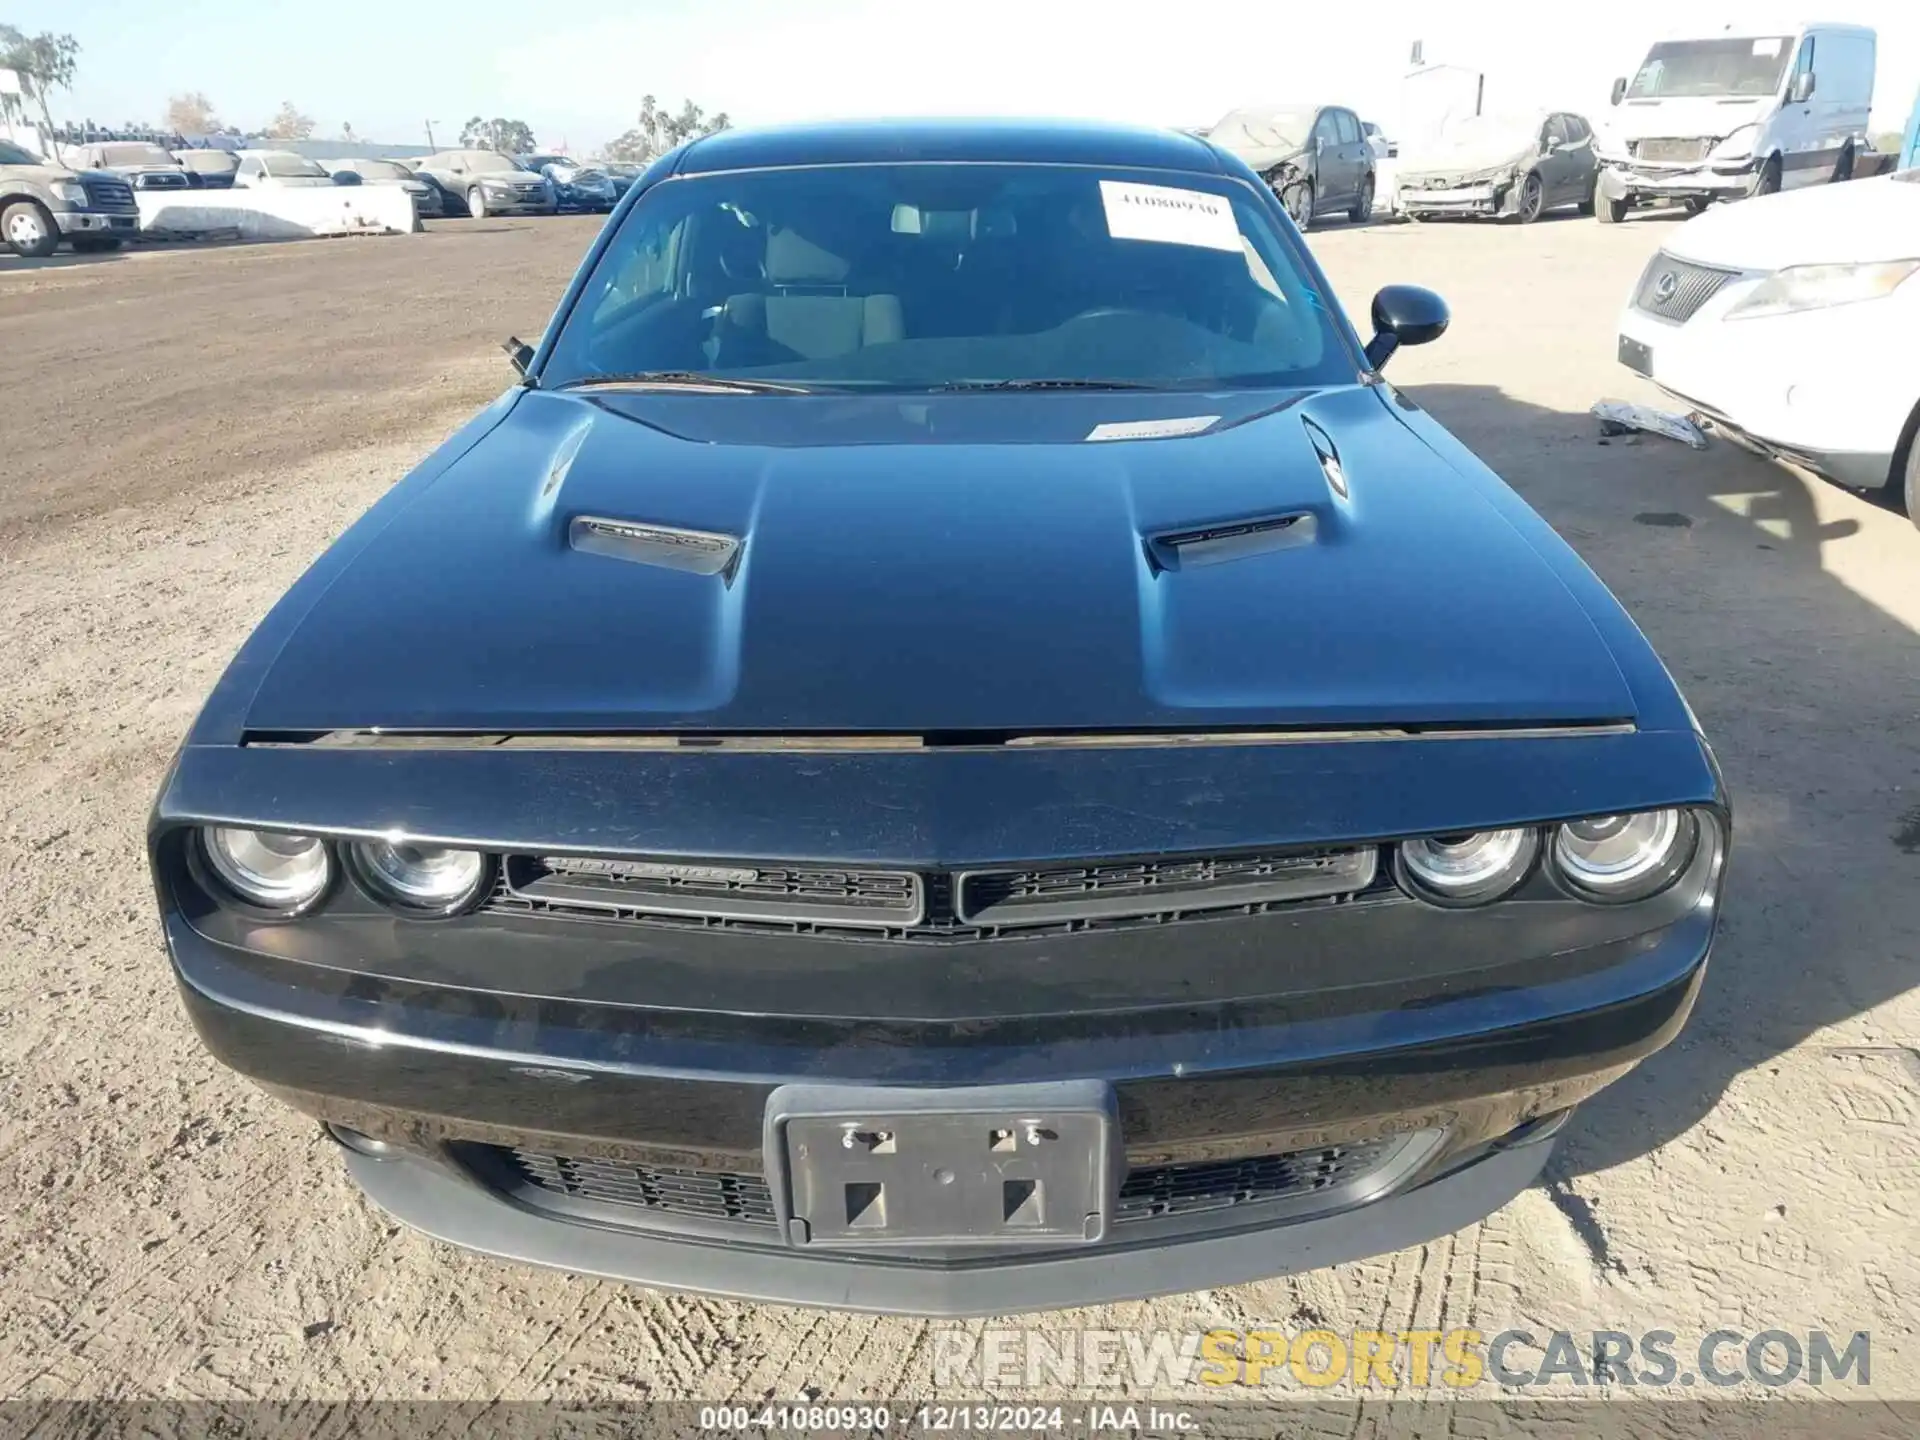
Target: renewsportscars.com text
1455,1359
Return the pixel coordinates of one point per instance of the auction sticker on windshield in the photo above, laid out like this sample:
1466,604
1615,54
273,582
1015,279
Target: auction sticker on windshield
1174,217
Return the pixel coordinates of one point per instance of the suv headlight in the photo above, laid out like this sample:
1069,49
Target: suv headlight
71,191
1815,287
1467,869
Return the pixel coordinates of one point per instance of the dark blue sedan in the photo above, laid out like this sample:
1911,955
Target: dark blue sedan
952,747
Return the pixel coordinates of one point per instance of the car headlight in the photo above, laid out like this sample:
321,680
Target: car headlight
1617,858
71,192
1815,287
433,879
1737,146
268,868
1467,869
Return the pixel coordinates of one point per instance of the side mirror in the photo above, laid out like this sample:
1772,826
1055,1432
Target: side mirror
1619,90
1404,315
1801,90
519,352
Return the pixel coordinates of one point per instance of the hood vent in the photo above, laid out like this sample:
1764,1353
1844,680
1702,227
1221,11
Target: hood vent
698,552
1235,540
1323,446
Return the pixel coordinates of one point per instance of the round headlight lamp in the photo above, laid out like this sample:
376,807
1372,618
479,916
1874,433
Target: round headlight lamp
1466,869
268,868
1619,858
431,879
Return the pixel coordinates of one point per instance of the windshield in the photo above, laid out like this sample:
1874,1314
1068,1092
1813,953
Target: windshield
1282,129
536,162
376,169
134,155
18,155
208,162
489,162
293,167
926,276
1712,67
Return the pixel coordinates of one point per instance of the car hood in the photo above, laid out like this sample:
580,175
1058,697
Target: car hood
1876,219
967,562
1470,150
1682,117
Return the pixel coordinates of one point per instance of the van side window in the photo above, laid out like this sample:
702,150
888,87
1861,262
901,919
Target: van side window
1803,62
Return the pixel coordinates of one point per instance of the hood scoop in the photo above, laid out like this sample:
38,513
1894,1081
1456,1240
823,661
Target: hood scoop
666,547
1237,540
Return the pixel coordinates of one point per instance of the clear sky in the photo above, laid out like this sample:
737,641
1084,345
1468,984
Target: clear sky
576,72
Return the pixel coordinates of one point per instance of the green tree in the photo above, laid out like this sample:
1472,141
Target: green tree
44,63
509,137
289,124
659,131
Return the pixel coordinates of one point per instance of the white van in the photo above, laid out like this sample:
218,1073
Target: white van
1737,114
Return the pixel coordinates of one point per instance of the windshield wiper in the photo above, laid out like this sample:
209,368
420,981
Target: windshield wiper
1053,384
683,380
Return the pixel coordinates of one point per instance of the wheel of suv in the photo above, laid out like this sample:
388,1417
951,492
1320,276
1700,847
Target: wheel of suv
476,203
1610,212
1767,182
28,229
1533,199
1363,207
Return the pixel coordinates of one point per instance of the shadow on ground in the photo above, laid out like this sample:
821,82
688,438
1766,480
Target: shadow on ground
1810,694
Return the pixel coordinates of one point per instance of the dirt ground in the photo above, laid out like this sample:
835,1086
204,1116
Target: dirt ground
185,430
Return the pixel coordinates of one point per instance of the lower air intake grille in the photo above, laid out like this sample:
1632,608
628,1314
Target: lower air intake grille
1148,1193
1219,1184
699,1194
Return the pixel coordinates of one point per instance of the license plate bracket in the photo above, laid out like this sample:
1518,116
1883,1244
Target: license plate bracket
871,1167
1636,355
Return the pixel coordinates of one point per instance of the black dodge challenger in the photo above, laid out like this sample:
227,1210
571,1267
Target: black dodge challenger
951,747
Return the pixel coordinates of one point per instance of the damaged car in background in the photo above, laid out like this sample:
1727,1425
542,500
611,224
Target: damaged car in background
1316,158
1518,166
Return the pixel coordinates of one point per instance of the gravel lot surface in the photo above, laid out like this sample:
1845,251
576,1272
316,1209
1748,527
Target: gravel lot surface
186,430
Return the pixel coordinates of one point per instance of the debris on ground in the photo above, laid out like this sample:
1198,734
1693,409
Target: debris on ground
1618,417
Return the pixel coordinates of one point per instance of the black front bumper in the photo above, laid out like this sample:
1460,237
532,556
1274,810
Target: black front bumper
438,1079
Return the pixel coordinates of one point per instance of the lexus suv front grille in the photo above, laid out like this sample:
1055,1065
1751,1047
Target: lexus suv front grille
1675,289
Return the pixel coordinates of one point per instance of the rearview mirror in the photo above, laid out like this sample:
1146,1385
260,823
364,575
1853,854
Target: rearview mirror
1404,315
1619,90
1801,90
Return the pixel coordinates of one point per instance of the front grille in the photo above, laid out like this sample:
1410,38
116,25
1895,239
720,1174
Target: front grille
1675,289
109,194
1158,887
161,180
899,905
742,1197
1669,152
793,894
